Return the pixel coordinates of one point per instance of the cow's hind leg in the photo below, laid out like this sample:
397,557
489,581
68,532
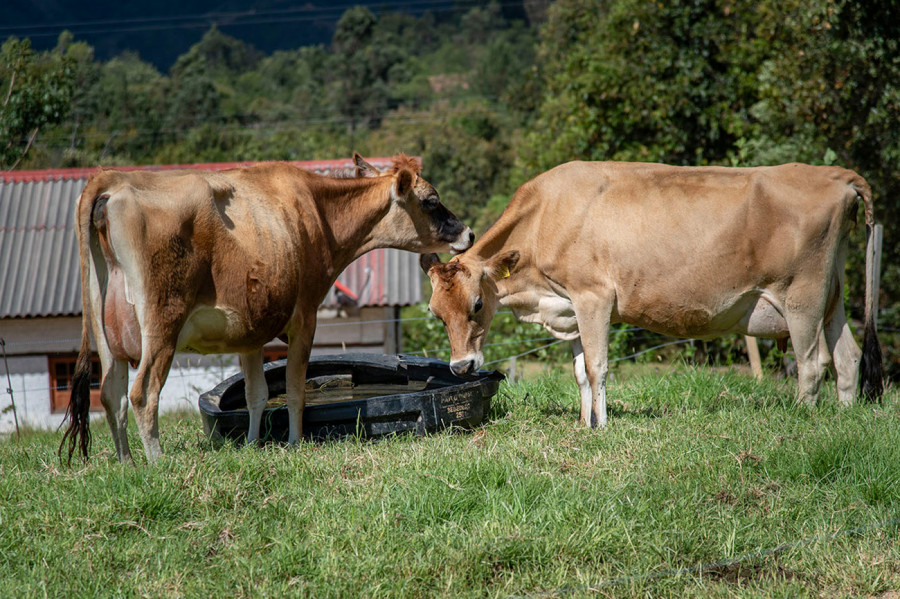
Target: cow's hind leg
114,396
148,382
845,355
811,350
255,390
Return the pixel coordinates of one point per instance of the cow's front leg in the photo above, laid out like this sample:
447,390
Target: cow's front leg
114,396
581,377
593,311
299,348
846,355
256,391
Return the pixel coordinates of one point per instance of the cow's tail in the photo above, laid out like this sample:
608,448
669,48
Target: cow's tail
871,369
78,433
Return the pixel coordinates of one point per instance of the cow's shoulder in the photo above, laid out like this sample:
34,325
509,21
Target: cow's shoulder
276,181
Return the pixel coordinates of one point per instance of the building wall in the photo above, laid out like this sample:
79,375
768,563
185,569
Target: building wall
31,388
30,342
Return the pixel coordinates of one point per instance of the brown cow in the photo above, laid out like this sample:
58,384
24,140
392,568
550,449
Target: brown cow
215,262
689,252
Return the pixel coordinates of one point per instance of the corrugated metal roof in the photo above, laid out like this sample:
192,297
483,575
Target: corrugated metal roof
383,278
39,268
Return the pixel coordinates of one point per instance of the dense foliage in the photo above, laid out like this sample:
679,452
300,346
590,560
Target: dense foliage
37,92
488,102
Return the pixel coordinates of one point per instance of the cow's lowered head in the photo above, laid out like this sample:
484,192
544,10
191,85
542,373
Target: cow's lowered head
465,299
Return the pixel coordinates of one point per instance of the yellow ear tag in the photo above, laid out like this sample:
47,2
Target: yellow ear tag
504,273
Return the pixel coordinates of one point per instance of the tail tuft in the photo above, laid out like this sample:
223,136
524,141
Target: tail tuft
871,369
78,434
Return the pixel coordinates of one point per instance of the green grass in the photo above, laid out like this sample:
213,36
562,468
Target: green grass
697,467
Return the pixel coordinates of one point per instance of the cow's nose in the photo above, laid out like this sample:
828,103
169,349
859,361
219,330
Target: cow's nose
462,367
463,242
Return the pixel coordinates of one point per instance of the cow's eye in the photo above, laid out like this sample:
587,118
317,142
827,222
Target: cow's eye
430,203
478,306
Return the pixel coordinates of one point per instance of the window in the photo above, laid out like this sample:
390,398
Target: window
62,369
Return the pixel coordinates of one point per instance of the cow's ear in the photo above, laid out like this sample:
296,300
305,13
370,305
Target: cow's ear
502,265
427,261
404,179
363,168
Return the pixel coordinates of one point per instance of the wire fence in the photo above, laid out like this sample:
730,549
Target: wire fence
184,372
227,19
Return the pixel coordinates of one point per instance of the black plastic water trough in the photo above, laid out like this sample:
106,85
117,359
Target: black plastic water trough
356,394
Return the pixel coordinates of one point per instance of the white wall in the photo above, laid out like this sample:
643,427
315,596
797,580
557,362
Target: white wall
190,376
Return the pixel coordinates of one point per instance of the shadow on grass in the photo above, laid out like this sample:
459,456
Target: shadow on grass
708,390
690,389
505,404
622,409
567,408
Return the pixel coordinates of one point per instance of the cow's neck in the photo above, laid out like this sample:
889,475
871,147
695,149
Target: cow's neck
352,210
510,232
499,238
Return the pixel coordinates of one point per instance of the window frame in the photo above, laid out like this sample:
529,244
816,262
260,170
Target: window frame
60,394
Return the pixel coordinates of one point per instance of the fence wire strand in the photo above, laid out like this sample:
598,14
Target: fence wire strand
181,371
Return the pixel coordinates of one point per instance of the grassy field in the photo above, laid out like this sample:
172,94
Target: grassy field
705,484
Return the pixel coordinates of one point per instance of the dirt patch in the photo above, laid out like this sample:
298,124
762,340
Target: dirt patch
727,497
742,573
748,456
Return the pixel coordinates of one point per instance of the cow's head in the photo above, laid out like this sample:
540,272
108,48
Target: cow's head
416,220
465,299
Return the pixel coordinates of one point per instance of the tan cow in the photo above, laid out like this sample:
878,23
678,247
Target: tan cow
689,252
222,262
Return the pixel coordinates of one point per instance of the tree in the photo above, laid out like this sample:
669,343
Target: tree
634,80
465,149
287,86
36,92
216,55
515,84
204,81
128,103
367,62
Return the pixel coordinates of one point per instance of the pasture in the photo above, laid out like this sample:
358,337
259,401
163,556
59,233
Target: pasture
705,484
